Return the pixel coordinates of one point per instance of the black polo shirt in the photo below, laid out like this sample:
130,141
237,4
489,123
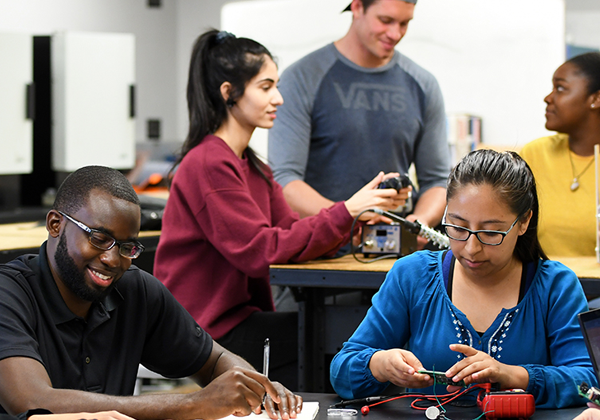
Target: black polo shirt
138,322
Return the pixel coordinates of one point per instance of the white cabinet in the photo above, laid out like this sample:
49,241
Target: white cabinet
16,73
93,77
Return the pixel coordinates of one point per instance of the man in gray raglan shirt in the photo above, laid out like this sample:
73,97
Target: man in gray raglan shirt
356,107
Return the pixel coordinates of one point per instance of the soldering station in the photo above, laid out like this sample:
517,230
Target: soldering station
398,238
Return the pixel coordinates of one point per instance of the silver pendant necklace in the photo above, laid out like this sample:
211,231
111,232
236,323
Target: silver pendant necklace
575,183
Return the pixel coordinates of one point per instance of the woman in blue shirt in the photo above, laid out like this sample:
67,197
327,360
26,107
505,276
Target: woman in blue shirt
492,309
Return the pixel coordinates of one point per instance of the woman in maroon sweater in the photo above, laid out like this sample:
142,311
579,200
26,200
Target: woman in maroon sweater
226,219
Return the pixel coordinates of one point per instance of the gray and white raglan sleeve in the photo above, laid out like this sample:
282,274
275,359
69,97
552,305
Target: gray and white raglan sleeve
289,139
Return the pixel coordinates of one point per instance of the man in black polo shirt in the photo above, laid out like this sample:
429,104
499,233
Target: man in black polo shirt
77,320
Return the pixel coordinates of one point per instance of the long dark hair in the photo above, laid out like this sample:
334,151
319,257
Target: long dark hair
219,57
510,176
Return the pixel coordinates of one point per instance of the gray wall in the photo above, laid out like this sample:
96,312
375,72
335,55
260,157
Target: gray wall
193,18
164,37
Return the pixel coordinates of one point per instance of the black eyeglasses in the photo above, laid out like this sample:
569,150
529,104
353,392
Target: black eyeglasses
105,242
486,237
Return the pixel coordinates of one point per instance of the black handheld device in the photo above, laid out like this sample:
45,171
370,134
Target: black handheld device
441,378
396,183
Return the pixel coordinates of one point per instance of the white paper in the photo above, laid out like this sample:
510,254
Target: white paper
309,412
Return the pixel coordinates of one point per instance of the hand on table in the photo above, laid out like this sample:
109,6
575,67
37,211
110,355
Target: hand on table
289,406
400,368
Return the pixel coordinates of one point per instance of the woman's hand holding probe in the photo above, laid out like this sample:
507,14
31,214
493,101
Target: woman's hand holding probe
480,367
399,367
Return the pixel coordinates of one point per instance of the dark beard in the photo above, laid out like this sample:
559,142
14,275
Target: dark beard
74,278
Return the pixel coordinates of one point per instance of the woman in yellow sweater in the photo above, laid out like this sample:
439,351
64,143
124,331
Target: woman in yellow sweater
563,164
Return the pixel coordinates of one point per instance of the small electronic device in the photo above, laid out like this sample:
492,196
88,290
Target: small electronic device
590,392
437,238
341,412
589,322
398,238
441,378
396,183
434,413
512,403
381,239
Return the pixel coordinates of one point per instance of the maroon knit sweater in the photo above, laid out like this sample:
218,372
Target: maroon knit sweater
223,226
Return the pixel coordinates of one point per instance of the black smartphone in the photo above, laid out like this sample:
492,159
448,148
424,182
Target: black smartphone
441,378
